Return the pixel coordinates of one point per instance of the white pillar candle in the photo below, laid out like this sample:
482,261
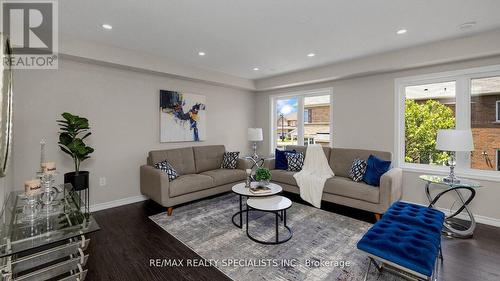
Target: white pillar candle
49,168
31,187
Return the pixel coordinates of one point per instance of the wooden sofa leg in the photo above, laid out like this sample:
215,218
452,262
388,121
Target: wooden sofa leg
170,210
378,216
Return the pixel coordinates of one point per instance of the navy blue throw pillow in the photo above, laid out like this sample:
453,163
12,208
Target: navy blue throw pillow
375,168
280,159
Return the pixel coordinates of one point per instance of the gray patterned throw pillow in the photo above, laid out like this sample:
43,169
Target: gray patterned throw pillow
357,170
295,161
230,160
167,168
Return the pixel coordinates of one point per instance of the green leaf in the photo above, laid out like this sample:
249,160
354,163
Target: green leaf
70,129
66,150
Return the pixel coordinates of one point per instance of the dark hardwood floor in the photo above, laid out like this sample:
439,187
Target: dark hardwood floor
122,249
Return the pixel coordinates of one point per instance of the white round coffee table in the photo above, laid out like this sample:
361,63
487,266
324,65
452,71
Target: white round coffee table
241,190
272,204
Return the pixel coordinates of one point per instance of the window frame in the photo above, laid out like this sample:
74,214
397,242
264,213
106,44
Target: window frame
463,80
497,116
300,95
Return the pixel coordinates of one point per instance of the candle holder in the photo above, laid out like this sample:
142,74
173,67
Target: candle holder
48,192
32,207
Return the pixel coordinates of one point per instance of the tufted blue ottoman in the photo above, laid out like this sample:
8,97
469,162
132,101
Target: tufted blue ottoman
408,238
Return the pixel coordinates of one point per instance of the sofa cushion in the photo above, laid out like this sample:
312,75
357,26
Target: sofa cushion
280,156
225,176
348,188
341,158
283,177
303,149
208,157
182,159
190,183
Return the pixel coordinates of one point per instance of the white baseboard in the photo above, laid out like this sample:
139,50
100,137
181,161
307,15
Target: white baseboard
116,203
478,218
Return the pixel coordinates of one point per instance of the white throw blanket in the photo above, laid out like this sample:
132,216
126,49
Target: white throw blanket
311,179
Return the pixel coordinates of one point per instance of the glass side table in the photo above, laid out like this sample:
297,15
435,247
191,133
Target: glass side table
452,227
52,244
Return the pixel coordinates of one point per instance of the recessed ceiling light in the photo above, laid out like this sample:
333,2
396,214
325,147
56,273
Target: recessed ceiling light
201,53
401,31
467,25
256,68
107,26
311,55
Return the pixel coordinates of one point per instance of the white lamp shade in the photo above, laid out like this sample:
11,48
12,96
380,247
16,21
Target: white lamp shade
454,140
255,134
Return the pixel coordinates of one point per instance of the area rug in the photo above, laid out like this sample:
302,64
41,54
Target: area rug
323,246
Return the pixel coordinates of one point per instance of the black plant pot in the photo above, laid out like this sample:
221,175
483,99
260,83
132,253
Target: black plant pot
79,181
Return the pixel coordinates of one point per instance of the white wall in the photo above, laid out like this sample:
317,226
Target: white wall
363,113
123,109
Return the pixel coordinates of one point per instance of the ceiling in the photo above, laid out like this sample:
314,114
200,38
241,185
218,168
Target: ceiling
273,35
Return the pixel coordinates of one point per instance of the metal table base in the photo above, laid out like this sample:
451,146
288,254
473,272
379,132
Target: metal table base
281,216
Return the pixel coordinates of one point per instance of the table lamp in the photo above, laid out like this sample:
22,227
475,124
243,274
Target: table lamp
454,140
255,135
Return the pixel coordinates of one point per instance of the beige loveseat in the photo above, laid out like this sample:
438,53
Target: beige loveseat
341,189
200,175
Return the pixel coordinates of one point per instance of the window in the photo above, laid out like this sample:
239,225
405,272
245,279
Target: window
308,141
485,94
465,99
498,111
302,119
317,126
428,108
286,116
498,159
307,115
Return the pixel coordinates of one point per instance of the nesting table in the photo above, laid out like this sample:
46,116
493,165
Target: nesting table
267,202
273,204
243,191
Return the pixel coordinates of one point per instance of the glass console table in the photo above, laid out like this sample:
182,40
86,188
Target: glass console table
51,245
452,227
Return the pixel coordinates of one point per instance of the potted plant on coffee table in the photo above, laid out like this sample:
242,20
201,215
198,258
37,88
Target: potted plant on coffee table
263,176
73,130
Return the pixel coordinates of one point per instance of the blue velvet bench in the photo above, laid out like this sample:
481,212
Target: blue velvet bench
406,241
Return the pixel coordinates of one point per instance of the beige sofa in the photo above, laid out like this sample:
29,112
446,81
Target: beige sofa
200,175
341,189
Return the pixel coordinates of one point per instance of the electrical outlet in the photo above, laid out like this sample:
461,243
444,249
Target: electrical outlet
102,181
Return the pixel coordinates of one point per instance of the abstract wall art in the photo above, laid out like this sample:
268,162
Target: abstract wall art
182,117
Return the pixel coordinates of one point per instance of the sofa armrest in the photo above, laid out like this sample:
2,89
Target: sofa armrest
154,184
269,163
391,187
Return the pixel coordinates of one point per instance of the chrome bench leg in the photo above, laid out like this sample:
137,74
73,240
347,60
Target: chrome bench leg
377,266
367,269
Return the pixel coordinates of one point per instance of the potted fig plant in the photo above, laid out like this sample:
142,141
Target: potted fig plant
73,130
263,176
